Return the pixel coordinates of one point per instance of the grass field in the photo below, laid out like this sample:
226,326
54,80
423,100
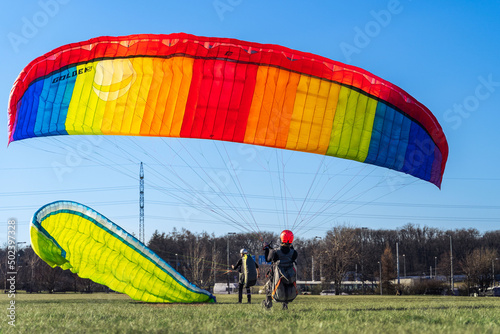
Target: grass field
114,313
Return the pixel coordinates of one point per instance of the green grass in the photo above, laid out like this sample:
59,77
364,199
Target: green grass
114,313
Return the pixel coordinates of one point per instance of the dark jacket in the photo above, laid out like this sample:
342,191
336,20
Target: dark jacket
272,255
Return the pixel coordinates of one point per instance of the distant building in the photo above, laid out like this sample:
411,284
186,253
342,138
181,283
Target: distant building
347,286
221,288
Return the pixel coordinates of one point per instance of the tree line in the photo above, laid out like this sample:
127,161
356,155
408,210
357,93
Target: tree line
342,253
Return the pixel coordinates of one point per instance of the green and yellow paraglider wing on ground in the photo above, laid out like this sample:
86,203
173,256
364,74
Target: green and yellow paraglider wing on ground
75,237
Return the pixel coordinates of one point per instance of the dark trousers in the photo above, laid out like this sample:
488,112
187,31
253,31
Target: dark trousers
240,293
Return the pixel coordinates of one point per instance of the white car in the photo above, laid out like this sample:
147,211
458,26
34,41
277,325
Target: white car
327,293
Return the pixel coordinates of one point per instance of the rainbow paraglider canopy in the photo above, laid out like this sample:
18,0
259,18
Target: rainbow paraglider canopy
180,85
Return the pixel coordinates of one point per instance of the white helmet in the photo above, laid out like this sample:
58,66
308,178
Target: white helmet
243,251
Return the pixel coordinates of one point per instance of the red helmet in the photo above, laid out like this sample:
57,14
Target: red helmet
286,237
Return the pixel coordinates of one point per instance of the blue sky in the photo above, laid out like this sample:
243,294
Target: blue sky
443,53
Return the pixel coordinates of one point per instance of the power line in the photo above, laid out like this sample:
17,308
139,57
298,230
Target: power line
141,204
64,191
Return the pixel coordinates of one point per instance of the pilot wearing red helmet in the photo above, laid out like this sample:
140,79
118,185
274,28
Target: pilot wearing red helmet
284,252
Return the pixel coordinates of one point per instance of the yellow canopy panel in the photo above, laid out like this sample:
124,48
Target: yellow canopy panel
75,237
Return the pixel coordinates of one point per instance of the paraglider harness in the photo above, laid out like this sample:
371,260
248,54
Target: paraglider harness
282,277
248,276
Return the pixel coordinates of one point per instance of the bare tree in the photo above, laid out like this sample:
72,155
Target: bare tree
253,241
191,254
477,268
339,253
48,276
198,258
308,251
388,269
3,266
444,265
